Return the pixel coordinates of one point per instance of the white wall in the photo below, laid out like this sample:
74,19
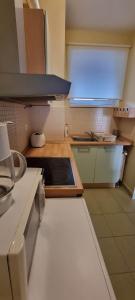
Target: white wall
50,120
55,16
127,126
129,91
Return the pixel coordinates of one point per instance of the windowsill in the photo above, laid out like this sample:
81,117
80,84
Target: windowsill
94,103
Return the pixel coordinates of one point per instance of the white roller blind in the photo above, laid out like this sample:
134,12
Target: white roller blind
97,72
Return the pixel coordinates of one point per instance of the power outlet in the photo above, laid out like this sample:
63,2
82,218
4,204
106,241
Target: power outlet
26,127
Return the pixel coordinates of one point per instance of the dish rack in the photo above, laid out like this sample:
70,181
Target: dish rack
104,137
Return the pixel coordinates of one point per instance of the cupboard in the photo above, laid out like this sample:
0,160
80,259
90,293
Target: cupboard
97,164
34,24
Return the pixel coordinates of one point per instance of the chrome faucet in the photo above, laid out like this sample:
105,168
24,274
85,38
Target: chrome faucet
90,133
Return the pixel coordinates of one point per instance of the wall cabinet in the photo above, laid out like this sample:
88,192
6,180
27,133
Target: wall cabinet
124,112
12,39
34,24
22,32
99,164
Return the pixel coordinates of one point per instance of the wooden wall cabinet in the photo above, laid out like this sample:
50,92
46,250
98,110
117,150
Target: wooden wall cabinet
22,38
12,39
124,112
34,24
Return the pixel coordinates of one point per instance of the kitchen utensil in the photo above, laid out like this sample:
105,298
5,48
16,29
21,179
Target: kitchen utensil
38,139
109,138
9,175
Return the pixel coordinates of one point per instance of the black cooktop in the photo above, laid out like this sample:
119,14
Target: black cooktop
56,170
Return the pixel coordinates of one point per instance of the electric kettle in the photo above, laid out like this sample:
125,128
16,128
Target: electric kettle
10,172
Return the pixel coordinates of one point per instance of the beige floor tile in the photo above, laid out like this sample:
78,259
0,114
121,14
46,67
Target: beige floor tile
114,260
120,224
133,276
124,286
131,216
126,246
123,199
108,204
92,203
101,201
100,226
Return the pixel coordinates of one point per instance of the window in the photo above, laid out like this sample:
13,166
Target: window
97,73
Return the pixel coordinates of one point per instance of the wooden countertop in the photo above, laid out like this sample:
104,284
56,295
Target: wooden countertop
63,149
120,141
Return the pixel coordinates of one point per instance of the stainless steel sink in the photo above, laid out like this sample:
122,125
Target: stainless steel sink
84,138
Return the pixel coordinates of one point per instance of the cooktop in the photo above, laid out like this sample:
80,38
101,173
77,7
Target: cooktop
57,171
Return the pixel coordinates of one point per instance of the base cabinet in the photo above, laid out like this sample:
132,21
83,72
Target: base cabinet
85,157
108,164
99,164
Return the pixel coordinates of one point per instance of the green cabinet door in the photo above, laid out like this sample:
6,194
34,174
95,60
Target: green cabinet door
85,157
108,164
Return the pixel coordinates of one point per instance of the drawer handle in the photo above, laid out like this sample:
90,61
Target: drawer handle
109,149
84,150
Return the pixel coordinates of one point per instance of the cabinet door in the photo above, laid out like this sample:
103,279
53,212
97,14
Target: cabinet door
85,158
34,23
108,164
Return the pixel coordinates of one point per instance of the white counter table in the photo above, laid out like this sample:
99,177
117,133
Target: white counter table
68,263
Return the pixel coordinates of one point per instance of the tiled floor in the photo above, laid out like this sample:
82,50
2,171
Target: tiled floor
113,215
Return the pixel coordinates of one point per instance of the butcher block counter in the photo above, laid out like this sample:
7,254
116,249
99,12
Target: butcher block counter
120,141
63,149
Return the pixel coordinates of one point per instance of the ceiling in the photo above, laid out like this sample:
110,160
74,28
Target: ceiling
101,14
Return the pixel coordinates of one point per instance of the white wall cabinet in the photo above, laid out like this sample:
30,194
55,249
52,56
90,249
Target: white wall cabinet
99,164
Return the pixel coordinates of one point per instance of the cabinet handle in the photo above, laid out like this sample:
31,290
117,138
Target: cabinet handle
84,149
109,149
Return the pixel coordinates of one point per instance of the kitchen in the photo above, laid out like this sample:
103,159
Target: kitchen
58,119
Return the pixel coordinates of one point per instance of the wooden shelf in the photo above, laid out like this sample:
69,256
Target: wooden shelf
124,112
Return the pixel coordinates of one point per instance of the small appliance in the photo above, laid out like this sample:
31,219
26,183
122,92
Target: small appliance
38,139
9,175
18,234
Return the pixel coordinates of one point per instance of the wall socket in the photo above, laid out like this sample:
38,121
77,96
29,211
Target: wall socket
26,127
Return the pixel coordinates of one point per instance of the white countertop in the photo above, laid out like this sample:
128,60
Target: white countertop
68,263
23,192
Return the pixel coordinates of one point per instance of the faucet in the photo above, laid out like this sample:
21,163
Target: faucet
90,133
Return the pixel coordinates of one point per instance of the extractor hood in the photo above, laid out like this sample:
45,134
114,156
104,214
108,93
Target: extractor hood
32,87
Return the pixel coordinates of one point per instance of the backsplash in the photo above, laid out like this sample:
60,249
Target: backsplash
50,120
20,130
80,120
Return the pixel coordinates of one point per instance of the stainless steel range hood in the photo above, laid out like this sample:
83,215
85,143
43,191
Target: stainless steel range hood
32,87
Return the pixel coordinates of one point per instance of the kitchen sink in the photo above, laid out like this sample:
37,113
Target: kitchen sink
84,138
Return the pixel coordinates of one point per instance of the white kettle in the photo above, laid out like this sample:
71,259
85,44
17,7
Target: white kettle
9,174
